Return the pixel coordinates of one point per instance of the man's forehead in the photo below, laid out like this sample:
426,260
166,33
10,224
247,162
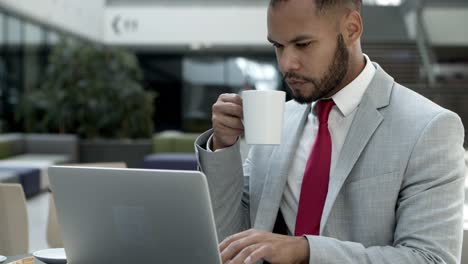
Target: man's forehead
285,26
300,13
307,9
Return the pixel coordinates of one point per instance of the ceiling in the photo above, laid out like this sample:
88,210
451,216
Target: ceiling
187,2
220,2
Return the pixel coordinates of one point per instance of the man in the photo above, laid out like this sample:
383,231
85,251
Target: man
367,172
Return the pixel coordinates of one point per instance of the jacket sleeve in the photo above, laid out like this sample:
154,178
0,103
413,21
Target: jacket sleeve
229,187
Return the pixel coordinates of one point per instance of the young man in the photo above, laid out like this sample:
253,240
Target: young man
368,171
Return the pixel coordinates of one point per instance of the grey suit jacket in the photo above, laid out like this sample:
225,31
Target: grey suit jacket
395,196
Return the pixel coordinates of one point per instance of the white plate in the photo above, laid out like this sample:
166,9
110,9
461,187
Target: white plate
2,258
51,256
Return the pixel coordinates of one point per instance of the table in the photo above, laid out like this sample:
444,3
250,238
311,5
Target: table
10,259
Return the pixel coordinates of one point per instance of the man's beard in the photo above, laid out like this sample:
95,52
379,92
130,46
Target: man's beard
327,85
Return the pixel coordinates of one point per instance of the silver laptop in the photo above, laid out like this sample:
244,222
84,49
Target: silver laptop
134,216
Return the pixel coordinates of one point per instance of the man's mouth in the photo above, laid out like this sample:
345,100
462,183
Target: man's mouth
295,81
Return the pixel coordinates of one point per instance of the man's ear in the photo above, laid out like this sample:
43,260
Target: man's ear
352,27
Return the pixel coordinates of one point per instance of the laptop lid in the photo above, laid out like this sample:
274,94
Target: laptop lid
110,215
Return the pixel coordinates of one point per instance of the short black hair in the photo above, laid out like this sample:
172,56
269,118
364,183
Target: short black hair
326,4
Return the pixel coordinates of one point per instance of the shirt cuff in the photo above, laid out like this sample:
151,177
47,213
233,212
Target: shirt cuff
208,145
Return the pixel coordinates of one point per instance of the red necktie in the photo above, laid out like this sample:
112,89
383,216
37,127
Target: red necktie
316,175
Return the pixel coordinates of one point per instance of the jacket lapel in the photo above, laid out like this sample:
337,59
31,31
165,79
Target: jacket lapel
278,168
366,121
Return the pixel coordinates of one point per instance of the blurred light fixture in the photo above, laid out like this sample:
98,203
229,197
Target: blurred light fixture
389,2
199,45
195,46
383,2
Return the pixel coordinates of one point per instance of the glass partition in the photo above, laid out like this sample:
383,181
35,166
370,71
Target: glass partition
24,48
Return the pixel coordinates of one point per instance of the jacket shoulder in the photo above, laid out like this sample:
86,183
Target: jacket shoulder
405,102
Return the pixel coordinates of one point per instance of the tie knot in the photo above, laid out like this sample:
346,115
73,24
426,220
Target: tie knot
323,110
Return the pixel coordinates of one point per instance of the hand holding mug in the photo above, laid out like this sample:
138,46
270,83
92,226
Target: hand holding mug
227,121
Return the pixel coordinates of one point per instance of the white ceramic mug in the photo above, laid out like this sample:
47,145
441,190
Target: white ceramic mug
263,116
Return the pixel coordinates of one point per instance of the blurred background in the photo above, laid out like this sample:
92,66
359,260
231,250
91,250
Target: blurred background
133,81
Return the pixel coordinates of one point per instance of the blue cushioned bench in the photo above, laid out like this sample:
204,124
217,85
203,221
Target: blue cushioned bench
29,178
171,161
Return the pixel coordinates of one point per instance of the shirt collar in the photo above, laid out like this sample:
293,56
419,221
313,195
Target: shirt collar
348,98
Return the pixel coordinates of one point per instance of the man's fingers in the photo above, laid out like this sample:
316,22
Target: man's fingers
253,246
228,240
228,104
228,109
261,253
227,122
240,244
232,98
242,256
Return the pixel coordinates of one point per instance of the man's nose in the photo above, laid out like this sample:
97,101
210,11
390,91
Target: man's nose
289,61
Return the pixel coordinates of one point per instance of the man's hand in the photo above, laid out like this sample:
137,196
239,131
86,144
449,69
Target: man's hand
227,121
252,245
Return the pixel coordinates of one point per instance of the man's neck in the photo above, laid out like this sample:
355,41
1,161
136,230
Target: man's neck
356,65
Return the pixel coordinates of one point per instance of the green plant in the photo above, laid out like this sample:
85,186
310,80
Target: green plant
91,90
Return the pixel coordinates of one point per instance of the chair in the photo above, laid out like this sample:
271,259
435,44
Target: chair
54,232
464,256
14,231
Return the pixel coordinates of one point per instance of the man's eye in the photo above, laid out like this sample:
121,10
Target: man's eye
302,45
277,46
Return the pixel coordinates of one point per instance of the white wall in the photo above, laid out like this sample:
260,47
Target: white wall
81,17
194,26
446,26
186,25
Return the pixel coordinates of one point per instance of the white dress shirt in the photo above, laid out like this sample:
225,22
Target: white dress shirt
341,116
